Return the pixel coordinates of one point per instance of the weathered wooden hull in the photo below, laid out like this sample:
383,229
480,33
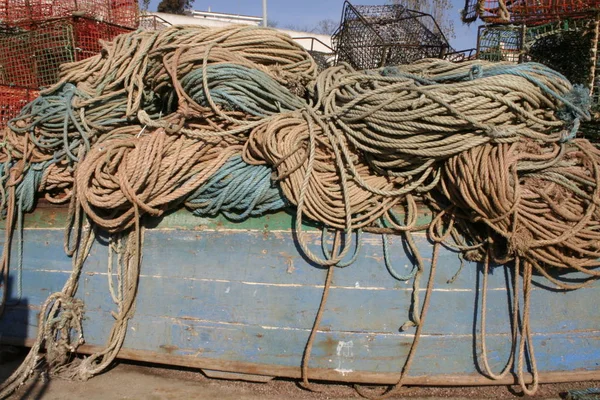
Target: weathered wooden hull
241,298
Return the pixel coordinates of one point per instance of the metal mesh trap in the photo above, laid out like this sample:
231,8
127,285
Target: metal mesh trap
150,22
531,12
375,36
499,43
566,46
461,55
322,54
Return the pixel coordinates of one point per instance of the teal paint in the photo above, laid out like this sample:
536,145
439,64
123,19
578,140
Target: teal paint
248,295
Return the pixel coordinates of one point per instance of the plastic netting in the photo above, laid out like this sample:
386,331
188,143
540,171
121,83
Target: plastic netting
26,13
12,100
32,58
375,36
124,13
88,33
527,11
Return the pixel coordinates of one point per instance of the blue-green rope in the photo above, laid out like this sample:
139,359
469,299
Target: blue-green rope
575,104
238,190
25,200
235,87
342,263
66,118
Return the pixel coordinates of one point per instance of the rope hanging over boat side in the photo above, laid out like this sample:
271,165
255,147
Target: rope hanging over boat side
237,120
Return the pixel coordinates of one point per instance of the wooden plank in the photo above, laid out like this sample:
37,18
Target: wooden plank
56,217
255,257
379,378
247,297
347,353
349,309
222,292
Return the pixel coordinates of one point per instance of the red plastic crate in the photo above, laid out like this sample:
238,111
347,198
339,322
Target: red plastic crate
27,13
32,58
12,100
530,12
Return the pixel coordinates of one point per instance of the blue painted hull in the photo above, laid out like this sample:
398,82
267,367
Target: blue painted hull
245,301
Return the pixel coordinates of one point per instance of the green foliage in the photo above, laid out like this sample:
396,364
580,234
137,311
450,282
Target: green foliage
174,6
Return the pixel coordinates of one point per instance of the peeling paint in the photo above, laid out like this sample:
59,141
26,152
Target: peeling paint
344,354
290,269
291,285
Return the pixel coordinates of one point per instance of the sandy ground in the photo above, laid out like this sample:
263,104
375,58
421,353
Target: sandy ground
133,381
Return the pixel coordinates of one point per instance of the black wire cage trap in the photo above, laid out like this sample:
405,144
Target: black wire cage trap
376,36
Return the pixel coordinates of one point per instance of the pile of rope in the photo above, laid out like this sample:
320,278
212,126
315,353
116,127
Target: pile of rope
239,121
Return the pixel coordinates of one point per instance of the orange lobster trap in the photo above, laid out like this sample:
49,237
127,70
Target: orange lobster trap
12,100
531,12
28,13
31,58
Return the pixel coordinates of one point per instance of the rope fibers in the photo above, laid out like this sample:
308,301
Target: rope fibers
237,121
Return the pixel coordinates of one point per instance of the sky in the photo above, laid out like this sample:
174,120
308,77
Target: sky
309,12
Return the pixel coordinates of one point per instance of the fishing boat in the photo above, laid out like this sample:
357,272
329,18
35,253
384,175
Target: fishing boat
238,300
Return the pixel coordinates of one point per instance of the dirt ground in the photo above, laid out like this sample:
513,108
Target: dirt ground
134,381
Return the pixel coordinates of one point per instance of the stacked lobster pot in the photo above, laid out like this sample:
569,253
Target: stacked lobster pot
560,34
37,36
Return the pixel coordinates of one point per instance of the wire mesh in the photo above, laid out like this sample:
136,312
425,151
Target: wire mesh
590,130
531,12
565,46
27,13
12,100
469,12
499,43
32,58
149,22
375,36
322,59
568,25
461,55
506,42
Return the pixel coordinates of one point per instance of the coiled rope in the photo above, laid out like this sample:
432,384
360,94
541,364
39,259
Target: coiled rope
236,120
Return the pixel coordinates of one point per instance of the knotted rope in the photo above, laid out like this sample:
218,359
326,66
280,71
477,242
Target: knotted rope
236,120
